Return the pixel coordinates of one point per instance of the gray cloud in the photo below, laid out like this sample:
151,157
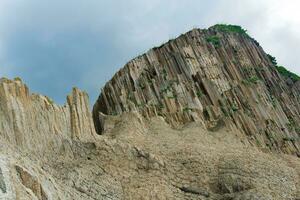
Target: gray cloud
54,45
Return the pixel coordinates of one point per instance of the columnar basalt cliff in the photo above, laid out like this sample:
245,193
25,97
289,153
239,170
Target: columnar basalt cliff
218,77
33,121
182,121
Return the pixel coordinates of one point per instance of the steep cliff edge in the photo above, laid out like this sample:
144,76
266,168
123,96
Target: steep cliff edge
34,122
218,77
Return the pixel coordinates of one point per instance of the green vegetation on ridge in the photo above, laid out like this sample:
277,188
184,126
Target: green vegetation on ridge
283,71
230,28
288,74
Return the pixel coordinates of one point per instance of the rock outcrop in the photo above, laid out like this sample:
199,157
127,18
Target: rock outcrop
33,121
182,121
218,77
152,162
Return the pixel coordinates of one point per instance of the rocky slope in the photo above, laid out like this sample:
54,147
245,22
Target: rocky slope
187,120
147,159
219,77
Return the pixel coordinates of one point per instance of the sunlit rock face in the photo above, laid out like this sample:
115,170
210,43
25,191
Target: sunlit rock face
216,77
34,122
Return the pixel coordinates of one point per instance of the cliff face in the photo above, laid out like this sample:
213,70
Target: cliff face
219,79
216,77
34,122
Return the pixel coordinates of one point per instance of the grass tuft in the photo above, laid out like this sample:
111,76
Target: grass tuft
215,40
229,28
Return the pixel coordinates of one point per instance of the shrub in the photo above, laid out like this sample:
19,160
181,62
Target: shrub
292,125
161,106
49,100
287,74
186,109
160,114
131,97
291,139
142,86
273,100
257,142
258,68
18,79
165,73
199,94
246,82
283,71
234,108
165,88
272,59
251,80
230,28
215,40
114,113
173,97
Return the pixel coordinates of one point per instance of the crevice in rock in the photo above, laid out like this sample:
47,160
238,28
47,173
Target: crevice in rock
2,182
97,119
31,183
193,190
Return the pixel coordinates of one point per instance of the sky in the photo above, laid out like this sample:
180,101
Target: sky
54,45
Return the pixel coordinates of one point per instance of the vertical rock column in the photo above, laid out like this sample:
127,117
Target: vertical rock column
34,122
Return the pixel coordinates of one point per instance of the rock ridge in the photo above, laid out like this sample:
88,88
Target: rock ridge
218,77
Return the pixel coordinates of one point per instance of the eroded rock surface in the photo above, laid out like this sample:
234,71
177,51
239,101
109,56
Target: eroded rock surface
139,158
197,118
33,121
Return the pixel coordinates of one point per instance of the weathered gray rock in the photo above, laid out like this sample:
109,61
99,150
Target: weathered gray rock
33,121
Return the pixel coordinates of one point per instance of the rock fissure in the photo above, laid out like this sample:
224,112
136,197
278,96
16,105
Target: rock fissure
2,182
193,190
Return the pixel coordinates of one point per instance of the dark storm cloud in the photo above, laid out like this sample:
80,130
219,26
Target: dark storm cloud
54,45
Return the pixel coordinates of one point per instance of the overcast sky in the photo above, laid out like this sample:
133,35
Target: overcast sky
54,45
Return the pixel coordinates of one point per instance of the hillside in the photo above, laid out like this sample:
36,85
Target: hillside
218,77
